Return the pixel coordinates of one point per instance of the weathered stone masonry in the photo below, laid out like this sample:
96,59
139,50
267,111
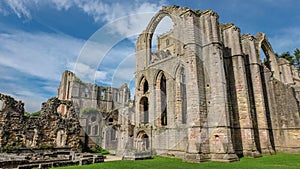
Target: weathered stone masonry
48,131
204,94
211,97
102,111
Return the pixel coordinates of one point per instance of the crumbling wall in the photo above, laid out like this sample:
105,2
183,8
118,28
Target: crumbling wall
237,102
93,104
288,121
49,130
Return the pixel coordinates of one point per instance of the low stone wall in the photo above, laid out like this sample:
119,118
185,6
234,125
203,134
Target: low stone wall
47,160
137,155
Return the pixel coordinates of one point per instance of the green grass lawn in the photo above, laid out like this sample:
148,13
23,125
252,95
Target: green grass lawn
282,161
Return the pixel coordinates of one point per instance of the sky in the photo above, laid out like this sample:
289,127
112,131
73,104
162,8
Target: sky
40,39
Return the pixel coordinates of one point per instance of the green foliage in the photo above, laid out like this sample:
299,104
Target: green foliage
293,59
279,161
98,149
32,114
287,56
46,146
297,58
88,110
36,113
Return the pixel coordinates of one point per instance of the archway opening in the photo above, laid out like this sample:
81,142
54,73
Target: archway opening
161,98
264,58
146,87
181,94
163,89
163,41
144,110
143,143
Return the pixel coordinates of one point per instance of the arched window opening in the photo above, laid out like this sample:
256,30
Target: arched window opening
163,40
93,118
103,94
86,91
183,97
144,110
89,130
264,59
163,90
146,86
113,135
96,129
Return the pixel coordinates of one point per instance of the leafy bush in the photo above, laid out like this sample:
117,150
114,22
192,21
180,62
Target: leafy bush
88,110
98,149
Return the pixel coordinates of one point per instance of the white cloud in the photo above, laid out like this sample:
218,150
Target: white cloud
38,54
34,56
46,56
86,73
19,8
286,40
32,100
62,4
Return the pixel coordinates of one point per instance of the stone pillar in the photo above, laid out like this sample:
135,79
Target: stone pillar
259,108
218,127
240,97
194,85
65,90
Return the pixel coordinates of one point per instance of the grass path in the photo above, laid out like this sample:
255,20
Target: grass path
279,161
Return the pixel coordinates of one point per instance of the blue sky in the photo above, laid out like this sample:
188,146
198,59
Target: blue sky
39,39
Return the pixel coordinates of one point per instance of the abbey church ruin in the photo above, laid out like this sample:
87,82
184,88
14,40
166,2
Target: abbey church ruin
211,97
204,93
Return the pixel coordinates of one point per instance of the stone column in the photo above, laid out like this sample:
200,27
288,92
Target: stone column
240,97
218,127
259,112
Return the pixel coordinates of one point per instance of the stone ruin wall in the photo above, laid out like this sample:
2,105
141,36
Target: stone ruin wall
102,126
236,105
208,98
47,131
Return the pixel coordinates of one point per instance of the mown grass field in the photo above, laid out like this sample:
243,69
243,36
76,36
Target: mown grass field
279,161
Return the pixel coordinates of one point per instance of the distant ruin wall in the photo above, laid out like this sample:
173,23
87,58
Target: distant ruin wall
49,130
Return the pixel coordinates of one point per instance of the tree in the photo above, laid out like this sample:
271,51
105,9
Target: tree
88,110
297,58
287,56
293,59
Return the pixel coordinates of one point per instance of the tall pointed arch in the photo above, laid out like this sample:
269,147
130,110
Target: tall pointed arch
161,97
143,85
264,44
181,98
144,110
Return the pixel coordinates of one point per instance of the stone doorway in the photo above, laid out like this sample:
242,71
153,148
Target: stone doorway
143,143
